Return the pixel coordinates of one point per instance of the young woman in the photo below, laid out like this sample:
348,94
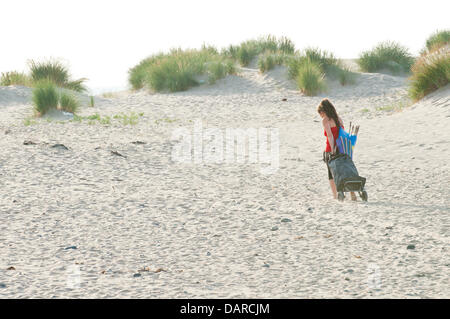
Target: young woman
331,124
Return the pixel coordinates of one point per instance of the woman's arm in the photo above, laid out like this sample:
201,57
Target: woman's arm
327,127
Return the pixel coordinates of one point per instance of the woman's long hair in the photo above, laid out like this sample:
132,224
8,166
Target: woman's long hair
328,108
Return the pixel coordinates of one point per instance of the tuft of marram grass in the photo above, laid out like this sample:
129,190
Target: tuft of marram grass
267,61
179,69
68,102
430,72
45,97
54,71
14,78
310,78
386,55
245,52
437,40
324,59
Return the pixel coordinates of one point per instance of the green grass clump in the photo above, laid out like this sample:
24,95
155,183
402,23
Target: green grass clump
245,52
268,60
310,67
14,78
219,69
45,97
310,78
430,72
138,74
437,40
386,55
326,60
57,73
68,102
179,69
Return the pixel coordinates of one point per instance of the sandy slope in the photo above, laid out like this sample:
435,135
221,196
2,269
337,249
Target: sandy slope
216,230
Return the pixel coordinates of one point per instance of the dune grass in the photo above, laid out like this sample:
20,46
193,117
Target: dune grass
179,69
387,55
430,72
310,78
56,72
325,60
14,78
437,40
267,61
68,102
245,52
45,97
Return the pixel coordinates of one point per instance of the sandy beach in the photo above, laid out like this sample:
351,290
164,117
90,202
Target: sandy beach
111,215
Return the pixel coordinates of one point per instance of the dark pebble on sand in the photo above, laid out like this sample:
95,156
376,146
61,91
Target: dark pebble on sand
2,286
70,247
266,265
11,268
411,247
286,220
60,146
310,209
137,275
208,254
274,228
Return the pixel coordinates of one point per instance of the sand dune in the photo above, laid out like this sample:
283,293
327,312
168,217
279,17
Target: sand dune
82,222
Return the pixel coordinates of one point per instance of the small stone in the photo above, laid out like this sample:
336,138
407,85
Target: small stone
310,209
2,285
137,275
11,268
274,228
70,247
284,99
411,247
138,143
60,146
286,220
29,142
266,265
346,278
208,254
117,154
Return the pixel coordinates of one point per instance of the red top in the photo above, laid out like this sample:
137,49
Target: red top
335,131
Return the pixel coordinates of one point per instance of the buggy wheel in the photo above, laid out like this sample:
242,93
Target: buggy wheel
364,196
341,196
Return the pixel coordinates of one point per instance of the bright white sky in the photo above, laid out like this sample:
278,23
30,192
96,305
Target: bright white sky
101,40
